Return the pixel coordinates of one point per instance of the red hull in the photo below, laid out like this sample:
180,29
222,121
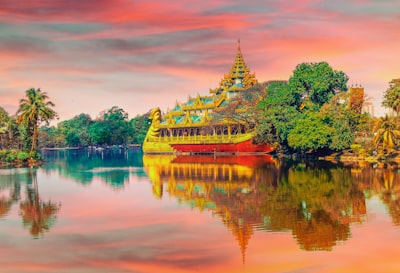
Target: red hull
242,147
245,160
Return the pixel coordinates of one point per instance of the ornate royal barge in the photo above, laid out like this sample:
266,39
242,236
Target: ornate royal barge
191,127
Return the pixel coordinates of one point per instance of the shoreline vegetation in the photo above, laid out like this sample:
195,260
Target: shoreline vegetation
314,114
18,159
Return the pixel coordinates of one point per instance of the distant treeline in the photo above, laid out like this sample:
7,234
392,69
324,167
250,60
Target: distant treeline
111,127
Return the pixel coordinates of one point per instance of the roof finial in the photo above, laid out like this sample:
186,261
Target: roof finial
239,44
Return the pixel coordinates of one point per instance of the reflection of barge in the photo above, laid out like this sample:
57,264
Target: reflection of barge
250,160
258,193
224,185
190,127
203,168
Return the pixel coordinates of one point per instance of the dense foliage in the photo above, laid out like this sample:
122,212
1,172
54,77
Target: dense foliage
9,132
18,140
387,135
34,109
310,113
391,98
111,127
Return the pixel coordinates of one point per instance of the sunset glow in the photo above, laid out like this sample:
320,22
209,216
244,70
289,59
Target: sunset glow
91,55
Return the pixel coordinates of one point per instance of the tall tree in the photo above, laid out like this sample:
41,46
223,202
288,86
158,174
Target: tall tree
391,98
278,113
76,130
117,121
290,113
386,134
111,128
140,125
4,118
316,82
34,109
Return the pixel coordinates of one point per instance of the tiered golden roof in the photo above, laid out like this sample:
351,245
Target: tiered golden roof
197,110
239,77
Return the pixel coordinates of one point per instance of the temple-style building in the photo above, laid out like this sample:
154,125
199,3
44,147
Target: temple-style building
358,101
191,127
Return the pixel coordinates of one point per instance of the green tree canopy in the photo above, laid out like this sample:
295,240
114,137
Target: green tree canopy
34,109
310,132
76,130
386,134
140,125
278,113
4,120
391,98
310,112
112,128
317,82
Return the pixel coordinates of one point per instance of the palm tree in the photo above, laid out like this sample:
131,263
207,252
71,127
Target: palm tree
386,133
33,110
391,97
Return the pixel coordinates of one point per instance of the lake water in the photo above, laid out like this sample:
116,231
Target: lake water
122,211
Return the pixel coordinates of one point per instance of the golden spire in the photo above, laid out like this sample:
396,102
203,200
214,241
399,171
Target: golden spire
242,233
239,77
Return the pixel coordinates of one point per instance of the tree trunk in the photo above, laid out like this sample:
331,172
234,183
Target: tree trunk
34,139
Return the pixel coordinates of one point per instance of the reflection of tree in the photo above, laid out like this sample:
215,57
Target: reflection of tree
320,232
5,205
36,214
317,203
390,192
226,186
110,165
383,182
7,201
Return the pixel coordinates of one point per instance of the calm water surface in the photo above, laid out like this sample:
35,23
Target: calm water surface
120,211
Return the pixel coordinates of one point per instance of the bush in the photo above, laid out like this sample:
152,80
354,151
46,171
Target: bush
12,156
35,155
3,155
16,157
22,156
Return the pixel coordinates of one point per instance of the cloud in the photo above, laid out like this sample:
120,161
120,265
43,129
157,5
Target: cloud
172,50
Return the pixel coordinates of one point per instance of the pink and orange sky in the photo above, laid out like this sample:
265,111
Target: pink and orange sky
94,54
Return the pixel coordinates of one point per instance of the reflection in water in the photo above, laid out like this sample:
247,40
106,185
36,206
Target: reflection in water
39,216
277,214
10,188
316,203
113,166
382,182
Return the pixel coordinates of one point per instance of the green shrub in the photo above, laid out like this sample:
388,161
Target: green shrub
22,156
8,157
35,155
3,155
11,156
